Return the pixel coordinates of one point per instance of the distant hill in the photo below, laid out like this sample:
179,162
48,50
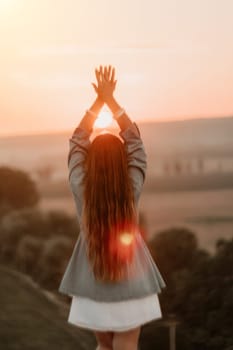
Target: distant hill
29,320
208,137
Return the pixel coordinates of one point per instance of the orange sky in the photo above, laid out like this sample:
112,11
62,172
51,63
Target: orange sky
173,59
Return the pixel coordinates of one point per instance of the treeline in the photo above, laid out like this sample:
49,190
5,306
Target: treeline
199,292
31,241
199,288
38,244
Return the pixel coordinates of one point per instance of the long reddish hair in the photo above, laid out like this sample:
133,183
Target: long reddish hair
109,212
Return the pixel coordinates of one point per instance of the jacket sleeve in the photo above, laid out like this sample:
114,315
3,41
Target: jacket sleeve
79,144
137,159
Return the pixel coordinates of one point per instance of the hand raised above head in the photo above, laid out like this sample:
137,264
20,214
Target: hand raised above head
106,82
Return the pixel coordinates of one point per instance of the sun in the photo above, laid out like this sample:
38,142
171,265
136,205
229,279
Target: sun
104,120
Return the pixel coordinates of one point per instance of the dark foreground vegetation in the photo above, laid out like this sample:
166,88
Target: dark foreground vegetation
199,291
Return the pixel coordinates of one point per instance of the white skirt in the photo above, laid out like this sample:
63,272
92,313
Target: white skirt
113,316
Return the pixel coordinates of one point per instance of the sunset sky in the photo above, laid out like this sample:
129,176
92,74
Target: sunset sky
173,59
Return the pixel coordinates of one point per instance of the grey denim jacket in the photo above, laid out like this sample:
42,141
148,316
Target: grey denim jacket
144,277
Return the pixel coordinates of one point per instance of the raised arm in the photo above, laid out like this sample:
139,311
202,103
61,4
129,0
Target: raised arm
79,144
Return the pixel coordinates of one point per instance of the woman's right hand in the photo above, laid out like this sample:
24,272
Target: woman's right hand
106,83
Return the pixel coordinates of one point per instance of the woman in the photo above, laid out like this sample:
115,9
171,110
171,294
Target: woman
111,276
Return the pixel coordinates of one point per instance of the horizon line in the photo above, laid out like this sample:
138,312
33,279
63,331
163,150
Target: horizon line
140,122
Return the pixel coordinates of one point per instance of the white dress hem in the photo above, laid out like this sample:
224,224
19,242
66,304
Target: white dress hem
114,316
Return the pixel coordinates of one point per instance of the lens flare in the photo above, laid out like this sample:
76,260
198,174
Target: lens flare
126,238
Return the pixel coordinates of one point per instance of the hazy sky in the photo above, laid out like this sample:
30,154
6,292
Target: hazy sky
173,59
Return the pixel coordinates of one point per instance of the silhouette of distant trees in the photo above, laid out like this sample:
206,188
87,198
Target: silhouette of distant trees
45,172
53,261
200,164
205,302
17,190
32,241
38,243
199,291
174,249
180,166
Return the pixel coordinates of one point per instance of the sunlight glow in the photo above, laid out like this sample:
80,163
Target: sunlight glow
5,3
104,120
126,238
